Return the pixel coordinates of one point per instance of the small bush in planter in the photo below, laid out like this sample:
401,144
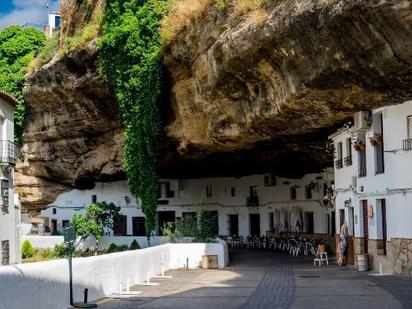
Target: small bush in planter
113,248
123,248
27,250
134,245
60,250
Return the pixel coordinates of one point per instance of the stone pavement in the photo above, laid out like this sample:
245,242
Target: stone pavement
264,279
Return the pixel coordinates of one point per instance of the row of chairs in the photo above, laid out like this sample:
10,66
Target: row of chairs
293,245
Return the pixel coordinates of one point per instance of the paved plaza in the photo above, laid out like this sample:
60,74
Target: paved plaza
264,279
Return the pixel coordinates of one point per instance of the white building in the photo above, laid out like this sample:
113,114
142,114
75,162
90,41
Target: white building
373,184
244,206
53,25
9,214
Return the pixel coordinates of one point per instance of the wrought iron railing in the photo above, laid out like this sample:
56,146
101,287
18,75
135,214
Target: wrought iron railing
8,152
338,163
252,201
348,161
407,144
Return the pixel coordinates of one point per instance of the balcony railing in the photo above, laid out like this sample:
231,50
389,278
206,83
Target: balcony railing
7,152
348,161
407,144
338,163
252,201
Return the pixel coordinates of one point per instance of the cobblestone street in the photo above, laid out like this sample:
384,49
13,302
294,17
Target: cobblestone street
263,279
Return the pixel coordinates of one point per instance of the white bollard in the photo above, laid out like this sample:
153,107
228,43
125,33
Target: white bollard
120,288
148,278
381,269
128,286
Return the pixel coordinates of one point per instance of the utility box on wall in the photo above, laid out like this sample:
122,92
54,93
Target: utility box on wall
209,262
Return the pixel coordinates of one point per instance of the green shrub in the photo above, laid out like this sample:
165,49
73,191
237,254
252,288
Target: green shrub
60,251
134,245
27,250
123,248
113,248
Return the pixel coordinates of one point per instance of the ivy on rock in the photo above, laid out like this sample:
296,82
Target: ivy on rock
131,60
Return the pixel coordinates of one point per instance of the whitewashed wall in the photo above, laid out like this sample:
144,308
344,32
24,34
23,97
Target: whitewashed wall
45,284
394,185
9,221
42,242
190,196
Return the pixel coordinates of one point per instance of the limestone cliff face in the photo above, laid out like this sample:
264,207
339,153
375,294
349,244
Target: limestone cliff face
247,95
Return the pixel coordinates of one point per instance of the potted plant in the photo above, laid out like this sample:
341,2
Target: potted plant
359,145
376,139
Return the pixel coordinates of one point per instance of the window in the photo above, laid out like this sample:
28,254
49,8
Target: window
232,191
362,157
54,211
5,194
308,192
5,252
253,191
94,198
378,143
348,158
209,191
293,193
407,143
338,162
169,193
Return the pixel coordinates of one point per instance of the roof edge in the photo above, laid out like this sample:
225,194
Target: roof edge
8,98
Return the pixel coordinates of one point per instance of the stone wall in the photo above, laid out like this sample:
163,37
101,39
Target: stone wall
398,258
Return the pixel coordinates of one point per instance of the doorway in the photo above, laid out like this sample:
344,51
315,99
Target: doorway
53,226
121,227
165,217
138,224
233,225
254,224
308,225
365,225
351,232
384,227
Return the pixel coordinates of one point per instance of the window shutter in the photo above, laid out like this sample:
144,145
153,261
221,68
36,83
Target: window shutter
410,127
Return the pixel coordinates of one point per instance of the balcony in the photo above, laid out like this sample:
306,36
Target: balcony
8,152
348,161
338,163
407,144
252,201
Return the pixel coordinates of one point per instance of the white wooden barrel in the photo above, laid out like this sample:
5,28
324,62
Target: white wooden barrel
363,262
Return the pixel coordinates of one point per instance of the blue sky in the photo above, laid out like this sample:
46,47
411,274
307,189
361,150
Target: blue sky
20,12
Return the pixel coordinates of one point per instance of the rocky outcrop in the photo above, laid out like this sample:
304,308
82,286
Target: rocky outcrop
247,94
73,131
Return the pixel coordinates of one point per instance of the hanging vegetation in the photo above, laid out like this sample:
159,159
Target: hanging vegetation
131,60
17,49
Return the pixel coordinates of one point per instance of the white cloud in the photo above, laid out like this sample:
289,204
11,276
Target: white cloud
28,11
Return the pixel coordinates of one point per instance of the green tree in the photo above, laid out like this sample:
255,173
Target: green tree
98,216
27,250
17,49
131,59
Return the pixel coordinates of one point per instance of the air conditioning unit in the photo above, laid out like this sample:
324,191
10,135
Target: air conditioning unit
269,180
362,121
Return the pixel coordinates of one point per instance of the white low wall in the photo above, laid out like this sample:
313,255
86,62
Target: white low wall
42,242
180,254
45,284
